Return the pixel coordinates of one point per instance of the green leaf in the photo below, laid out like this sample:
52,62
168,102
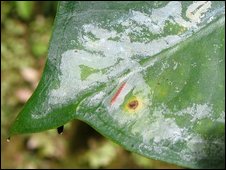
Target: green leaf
148,75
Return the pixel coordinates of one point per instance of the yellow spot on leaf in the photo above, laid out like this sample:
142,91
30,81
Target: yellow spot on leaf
133,105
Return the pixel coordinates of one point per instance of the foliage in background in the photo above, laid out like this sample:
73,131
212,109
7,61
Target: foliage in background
24,42
172,67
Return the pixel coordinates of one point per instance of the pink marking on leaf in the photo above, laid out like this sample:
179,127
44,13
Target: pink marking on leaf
113,99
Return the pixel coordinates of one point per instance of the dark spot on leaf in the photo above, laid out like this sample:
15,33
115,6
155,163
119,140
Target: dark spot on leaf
133,104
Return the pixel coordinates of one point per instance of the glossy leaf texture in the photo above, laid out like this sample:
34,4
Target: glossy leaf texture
148,75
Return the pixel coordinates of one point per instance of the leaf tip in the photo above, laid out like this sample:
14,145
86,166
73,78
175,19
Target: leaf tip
60,130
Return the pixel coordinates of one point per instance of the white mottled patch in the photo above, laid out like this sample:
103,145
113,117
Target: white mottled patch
155,20
196,143
164,129
195,11
97,98
197,112
221,118
201,111
157,128
101,51
100,33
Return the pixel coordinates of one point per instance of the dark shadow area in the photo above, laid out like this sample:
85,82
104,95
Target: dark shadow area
81,135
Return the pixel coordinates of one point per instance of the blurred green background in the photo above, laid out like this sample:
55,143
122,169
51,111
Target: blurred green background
25,32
